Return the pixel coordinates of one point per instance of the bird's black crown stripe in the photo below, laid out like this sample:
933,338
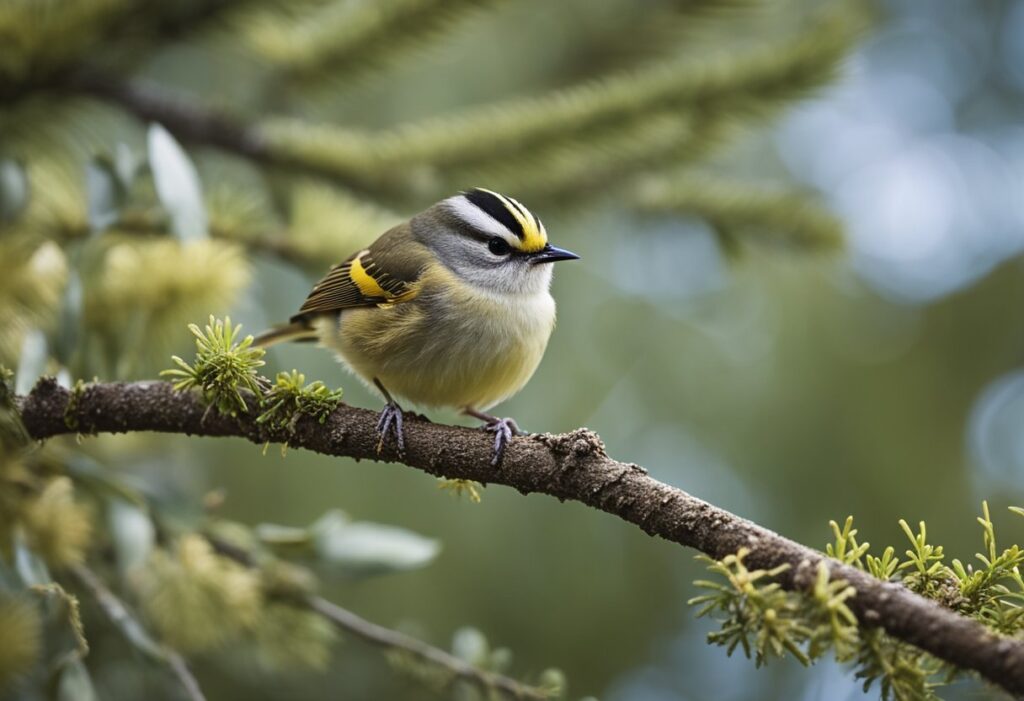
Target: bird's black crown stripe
497,209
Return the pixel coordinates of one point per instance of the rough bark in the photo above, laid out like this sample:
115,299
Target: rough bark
572,465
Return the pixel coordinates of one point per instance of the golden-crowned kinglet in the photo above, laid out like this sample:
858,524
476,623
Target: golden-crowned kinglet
450,308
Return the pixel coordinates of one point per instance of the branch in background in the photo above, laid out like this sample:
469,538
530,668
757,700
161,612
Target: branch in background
595,162
198,122
567,466
191,120
573,123
394,641
134,633
52,41
740,211
750,84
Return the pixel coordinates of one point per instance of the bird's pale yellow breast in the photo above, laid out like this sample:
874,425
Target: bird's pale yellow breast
453,345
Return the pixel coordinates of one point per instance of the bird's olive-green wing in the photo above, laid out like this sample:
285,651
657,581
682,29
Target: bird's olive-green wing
385,273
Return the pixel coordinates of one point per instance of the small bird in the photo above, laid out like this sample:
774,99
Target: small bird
451,308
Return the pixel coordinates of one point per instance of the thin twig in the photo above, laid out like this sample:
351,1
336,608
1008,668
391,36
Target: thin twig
200,123
393,640
574,466
134,632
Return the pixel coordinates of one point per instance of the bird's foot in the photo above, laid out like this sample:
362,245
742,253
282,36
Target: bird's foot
390,421
503,429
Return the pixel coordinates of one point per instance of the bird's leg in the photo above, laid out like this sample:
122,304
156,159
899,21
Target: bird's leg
503,430
390,420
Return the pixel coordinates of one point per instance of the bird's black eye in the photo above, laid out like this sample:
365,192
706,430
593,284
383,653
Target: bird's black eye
498,246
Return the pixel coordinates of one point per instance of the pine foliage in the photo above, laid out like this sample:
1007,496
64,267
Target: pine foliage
307,41
742,213
764,621
753,83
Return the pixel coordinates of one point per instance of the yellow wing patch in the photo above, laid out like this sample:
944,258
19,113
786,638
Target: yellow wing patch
368,287
372,281
356,283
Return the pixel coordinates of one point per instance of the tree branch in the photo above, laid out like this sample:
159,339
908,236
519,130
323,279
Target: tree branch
187,119
198,122
393,640
134,633
566,466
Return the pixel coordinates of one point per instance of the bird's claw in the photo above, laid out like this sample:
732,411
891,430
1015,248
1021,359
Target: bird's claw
391,421
503,430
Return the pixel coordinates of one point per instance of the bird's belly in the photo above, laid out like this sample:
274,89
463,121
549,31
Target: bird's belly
435,357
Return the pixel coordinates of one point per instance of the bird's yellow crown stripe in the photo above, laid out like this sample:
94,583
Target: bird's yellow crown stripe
534,236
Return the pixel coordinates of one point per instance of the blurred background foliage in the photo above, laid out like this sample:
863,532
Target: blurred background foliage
705,158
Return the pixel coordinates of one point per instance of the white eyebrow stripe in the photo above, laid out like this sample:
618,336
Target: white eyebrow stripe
479,219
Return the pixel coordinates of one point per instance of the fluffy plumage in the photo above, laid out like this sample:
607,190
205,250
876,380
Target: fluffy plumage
457,346
451,308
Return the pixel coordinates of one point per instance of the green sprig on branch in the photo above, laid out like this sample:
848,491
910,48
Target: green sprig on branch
756,615
290,397
223,367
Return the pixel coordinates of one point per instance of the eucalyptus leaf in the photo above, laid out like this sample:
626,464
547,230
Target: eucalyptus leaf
471,645
30,567
105,194
277,535
70,322
500,659
13,190
333,520
177,185
133,534
364,548
31,361
63,377
553,680
127,165
9,578
75,684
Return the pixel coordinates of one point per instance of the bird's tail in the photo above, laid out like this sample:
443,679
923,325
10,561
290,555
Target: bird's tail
299,330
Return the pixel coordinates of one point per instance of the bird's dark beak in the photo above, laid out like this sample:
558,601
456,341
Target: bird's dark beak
550,254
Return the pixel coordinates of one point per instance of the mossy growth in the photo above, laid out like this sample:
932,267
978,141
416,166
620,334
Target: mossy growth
197,600
6,376
59,527
226,370
22,639
767,621
287,638
459,488
754,613
291,398
74,400
224,367
13,435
